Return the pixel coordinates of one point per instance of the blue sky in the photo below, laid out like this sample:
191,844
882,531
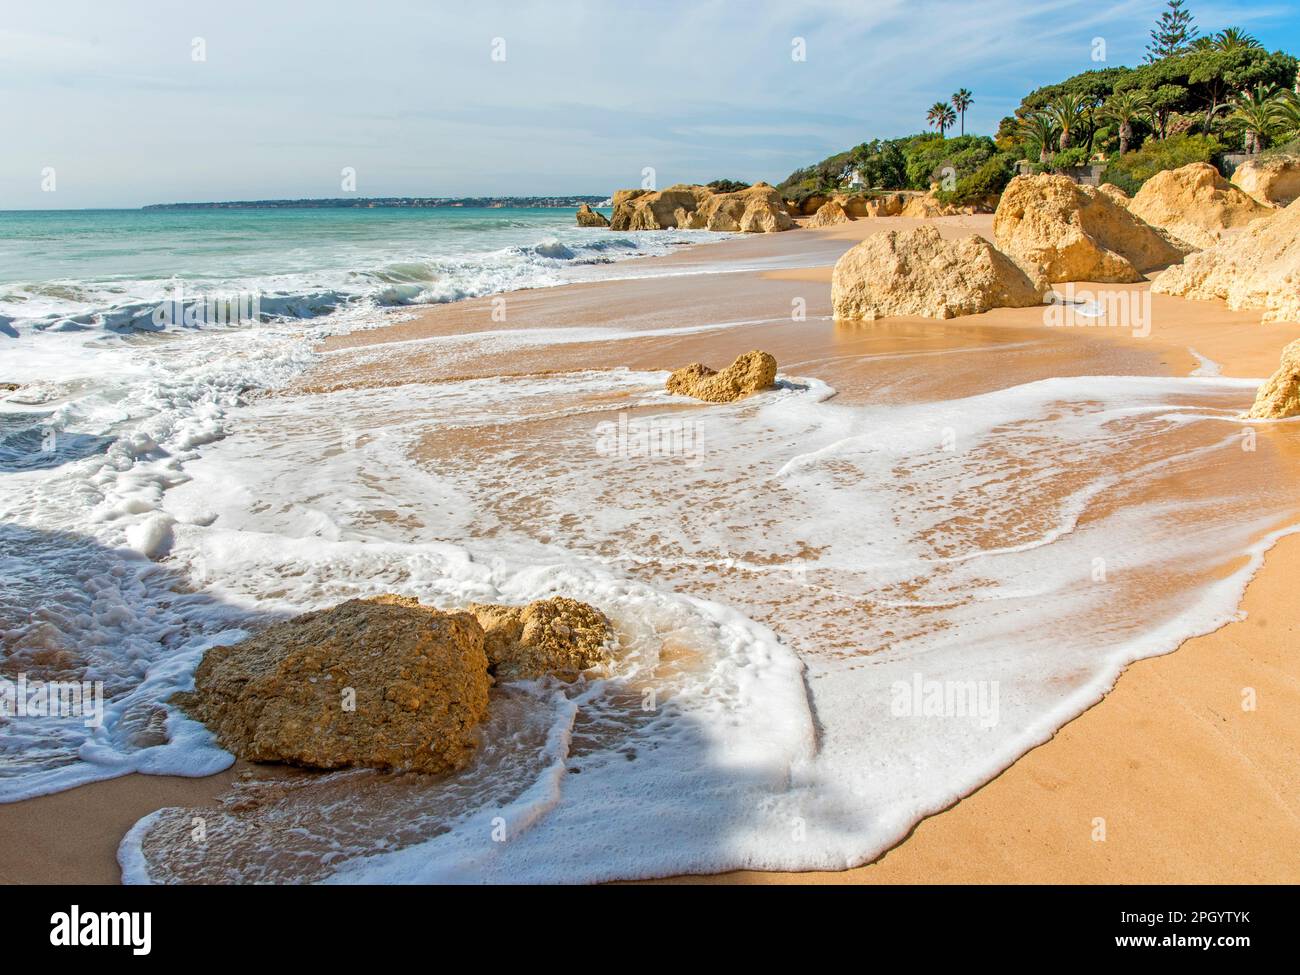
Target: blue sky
409,96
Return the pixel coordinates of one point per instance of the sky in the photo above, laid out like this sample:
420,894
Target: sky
139,101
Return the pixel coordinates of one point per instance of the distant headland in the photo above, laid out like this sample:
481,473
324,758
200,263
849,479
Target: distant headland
406,202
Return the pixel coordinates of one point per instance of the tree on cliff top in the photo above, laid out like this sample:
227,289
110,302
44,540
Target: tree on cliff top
1172,32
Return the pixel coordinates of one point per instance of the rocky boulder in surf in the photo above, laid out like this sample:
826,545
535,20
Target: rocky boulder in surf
587,217
557,636
917,272
1060,231
1279,398
383,683
750,373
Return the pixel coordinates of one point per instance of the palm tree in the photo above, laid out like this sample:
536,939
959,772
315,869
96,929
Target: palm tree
1039,130
941,116
1257,111
1124,108
962,100
1235,39
1066,112
1288,112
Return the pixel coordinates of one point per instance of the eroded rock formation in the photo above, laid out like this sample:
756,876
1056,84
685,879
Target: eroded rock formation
750,373
1279,398
1258,268
1061,231
917,272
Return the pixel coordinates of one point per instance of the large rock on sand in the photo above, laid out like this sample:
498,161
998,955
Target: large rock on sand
1195,203
1279,398
1273,182
831,213
757,209
558,636
587,217
917,272
1259,268
385,682
750,373
1064,232
420,680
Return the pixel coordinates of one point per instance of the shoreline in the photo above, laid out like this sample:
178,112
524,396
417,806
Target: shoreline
1080,759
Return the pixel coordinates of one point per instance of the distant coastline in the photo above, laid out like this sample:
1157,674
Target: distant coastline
389,202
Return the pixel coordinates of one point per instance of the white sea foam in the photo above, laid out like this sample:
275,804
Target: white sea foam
841,551
772,591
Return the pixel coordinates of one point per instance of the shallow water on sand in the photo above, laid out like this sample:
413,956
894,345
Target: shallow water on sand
792,578
840,604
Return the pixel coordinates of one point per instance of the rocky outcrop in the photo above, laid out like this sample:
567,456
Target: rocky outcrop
917,272
1195,203
557,636
1114,194
374,683
1279,398
1272,182
386,682
807,206
1258,268
750,373
757,209
886,205
831,213
1060,231
587,217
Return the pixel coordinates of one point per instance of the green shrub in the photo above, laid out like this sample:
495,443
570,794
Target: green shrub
1132,169
727,186
990,179
1069,158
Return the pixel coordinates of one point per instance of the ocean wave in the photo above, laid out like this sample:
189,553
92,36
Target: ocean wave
163,304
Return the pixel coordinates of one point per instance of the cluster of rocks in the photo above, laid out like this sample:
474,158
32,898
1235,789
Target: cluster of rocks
1048,229
1257,269
386,682
757,209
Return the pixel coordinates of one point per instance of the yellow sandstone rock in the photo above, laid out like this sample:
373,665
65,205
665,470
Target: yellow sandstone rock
750,373
917,272
1273,182
1279,398
1195,203
385,682
587,217
1065,232
558,636
416,681
758,209
1259,268
831,213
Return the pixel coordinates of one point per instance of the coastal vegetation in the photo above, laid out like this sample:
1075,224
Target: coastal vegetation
1195,98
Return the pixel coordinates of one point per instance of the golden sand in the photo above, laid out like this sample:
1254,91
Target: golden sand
1191,787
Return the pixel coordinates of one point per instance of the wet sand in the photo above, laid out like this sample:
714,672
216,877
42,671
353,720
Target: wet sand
1191,787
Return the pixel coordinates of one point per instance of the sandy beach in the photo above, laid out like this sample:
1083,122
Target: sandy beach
1169,779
